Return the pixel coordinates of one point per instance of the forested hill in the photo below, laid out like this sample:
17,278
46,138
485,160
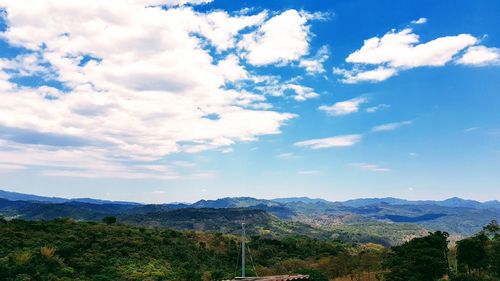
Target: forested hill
69,250
386,221
63,250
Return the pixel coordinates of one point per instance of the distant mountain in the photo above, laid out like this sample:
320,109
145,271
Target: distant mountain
299,199
15,196
451,202
361,202
98,201
236,202
233,202
390,220
459,202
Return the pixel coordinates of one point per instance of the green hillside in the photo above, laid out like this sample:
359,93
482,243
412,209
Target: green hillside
69,250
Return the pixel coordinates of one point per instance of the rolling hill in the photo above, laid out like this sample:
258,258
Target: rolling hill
386,221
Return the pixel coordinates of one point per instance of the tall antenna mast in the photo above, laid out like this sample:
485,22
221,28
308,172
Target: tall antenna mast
243,252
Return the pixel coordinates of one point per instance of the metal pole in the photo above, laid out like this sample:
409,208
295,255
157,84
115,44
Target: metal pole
243,252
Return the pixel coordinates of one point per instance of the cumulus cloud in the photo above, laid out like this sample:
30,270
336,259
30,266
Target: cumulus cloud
370,167
480,55
401,49
221,29
137,87
172,2
344,107
231,69
390,126
314,65
383,57
302,93
281,39
337,141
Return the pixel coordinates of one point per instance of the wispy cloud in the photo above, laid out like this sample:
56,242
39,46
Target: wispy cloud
391,126
337,141
356,75
471,129
344,107
370,167
286,156
376,108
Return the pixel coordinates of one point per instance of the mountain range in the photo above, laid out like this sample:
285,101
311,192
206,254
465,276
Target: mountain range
382,220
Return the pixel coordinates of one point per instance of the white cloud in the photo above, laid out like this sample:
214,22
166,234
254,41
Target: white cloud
281,39
419,21
400,49
231,69
286,156
302,93
72,162
390,126
314,65
172,2
480,55
137,87
370,167
184,164
383,57
344,107
471,129
376,108
7,168
337,141
221,28
356,75
271,86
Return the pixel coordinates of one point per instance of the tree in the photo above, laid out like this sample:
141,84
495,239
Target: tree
314,275
492,229
109,220
471,253
421,259
478,257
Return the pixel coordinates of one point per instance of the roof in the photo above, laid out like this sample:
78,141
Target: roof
273,278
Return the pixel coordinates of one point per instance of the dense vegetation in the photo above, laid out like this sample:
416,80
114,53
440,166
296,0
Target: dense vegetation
478,257
428,258
421,259
386,221
64,249
67,250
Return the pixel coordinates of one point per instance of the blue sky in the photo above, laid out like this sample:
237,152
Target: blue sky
170,100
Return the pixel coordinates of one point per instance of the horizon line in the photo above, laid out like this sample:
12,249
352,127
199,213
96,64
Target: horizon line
269,199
